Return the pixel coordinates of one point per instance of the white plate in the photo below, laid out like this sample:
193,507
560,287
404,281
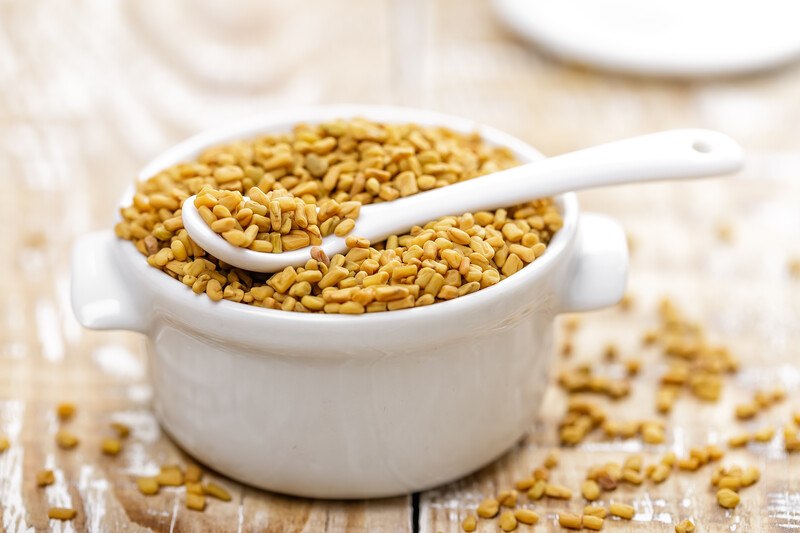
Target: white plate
683,38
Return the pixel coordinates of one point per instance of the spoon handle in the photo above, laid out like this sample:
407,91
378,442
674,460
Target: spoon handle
673,154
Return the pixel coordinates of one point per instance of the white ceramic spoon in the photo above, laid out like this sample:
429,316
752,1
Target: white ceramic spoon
673,154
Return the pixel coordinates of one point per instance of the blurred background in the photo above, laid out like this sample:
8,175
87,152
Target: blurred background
91,90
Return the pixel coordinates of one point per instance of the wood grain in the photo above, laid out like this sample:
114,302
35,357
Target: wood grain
94,89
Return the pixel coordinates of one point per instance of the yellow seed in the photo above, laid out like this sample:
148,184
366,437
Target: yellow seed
4,444
508,522
526,516
632,476
557,491
750,476
66,440
590,490
684,527
196,502
729,482
745,411
121,429
621,510
193,473
170,476
488,508
727,498
45,477
551,461
595,510
148,485
61,513
218,492
569,520
525,484
469,524
592,522
65,410
764,434
660,473
537,491
111,446
507,498
738,441
194,487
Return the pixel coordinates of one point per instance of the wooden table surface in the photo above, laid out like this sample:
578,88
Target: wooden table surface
91,90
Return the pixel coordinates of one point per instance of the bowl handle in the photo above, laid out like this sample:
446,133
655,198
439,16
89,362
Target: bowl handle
101,299
598,273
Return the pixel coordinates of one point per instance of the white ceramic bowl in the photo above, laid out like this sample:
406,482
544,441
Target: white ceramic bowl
341,406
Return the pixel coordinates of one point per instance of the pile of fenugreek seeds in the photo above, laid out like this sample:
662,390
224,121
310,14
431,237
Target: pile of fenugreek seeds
188,478
694,365
310,183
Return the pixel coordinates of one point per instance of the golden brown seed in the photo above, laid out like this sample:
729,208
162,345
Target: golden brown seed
525,484
488,508
557,491
764,434
470,523
111,446
196,502
750,476
45,477
569,520
4,444
65,410
193,473
507,498
170,476
738,441
660,473
551,461
621,510
595,510
218,492
592,522
61,513
537,491
745,411
121,429
590,490
684,527
526,516
727,498
148,485
66,440
508,522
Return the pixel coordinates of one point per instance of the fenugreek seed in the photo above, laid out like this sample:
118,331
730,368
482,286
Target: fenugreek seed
729,482
193,473
148,485
551,461
715,453
632,476
690,463
526,516
727,498
595,510
66,440
214,290
508,522
764,434
590,490
537,491
750,476
746,411
218,492
65,410
569,520
507,498
660,473
685,526
195,502
170,477
557,491
469,524
488,508
592,522
45,477
224,224
525,484
621,510
737,441
111,446
193,487
61,513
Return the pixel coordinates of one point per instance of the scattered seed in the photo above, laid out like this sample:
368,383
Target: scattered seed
621,510
727,498
508,522
469,524
61,513
488,508
65,410
111,446
66,440
592,522
148,485
196,502
526,516
685,527
45,477
218,492
569,520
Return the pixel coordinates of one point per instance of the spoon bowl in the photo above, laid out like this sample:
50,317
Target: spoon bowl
673,154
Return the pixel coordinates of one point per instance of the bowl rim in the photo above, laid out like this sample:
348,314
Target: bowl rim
279,120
